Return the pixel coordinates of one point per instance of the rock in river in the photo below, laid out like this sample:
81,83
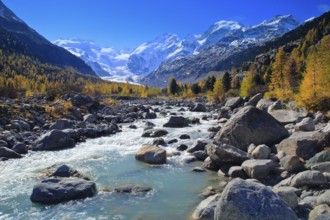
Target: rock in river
154,133
177,122
53,140
55,190
151,154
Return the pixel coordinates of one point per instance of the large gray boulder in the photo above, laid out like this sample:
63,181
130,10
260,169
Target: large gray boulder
253,101
233,102
292,164
8,153
258,169
305,144
287,195
205,209
53,140
310,178
324,198
247,200
151,154
61,124
153,133
251,125
221,154
54,190
177,122
307,124
323,156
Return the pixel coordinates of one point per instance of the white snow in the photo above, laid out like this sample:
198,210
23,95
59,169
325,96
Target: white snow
309,19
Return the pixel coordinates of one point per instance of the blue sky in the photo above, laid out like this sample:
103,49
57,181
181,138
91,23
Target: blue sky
127,23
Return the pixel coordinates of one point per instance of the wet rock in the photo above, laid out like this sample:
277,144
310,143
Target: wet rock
210,164
133,189
246,200
205,209
151,154
67,171
261,152
199,170
8,153
184,136
53,140
309,178
154,133
54,190
258,169
214,129
307,124
222,154
132,127
177,122
292,164
182,147
149,115
197,146
159,141
173,141
305,144
20,148
251,125
200,155
62,124
198,107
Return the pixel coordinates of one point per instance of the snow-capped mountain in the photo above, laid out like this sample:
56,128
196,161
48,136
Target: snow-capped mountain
149,56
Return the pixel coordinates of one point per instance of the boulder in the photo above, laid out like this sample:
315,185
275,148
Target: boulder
324,198
323,156
309,178
90,118
233,102
287,195
8,153
221,154
184,136
247,200
182,147
55,190
307,124
67,171
200,155
322,167
287,116
20,148
292,164
53,140
258,169
149,115
210,164
197,146
159,141
198,107
154,133
261,152
237,172
3,143
251,125
305,144
263,104
205,209
62,124
151,154
133,189
320,211
254,100
177,122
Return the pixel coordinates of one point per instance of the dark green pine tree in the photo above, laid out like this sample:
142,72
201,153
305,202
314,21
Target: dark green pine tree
173,87
226,81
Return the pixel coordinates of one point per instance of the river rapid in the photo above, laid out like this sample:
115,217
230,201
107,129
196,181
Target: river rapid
109,162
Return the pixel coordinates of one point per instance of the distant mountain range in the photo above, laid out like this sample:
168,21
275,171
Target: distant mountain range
154,61
17,37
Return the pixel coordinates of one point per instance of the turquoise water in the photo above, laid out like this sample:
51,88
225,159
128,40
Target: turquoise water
110,162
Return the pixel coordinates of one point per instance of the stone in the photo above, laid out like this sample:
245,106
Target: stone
308,202
8,153
320,211
90,118
254,100
172,141
246,200
307,124
237,172
55,190
205,209
287,195
197,146
184,136
132,126
287,116
154,133
159,141
177,122
199,169
261,152
233,102
182,147
322,167
3,143
20,148
149,115
304,144
292,164
133,189
264,104
324,198
200,155
67,171
222,154
151,154
309,178
210,165
198,107
258,169
61,124
53,140
251,125
323,156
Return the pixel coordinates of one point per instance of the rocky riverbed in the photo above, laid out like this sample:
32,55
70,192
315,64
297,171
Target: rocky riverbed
264,159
